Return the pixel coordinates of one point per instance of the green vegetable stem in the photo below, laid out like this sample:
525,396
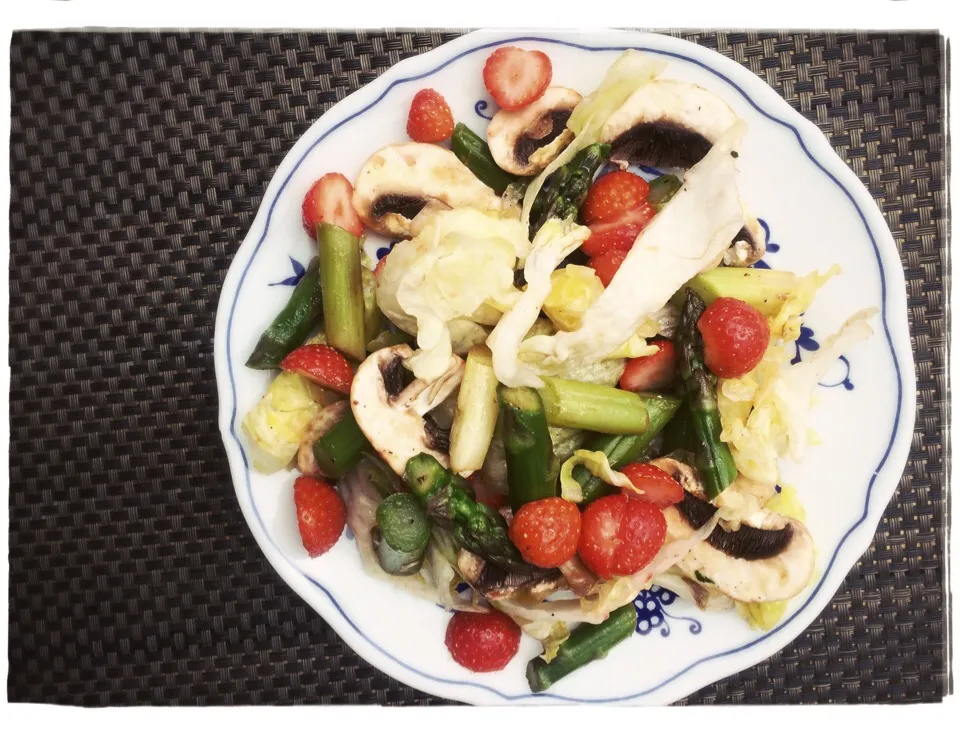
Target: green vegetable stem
401,535
623,449
449,501
595,407
662,189
532,467
564,192
473,152
293,323
714,462
341,286
587,643
341,447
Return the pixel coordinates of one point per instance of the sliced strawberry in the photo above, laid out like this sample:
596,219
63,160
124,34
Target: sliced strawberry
619,233
613,195
321,514
607,264
430,119
321,364
330,200
656,371
515,77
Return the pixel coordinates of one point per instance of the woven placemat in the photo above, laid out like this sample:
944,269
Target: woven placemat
138,162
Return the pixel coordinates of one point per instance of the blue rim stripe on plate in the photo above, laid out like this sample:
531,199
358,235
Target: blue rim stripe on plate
883,305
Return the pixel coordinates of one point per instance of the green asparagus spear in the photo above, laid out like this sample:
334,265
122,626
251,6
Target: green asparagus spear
450,503
401,535
532,468
293,324
341,285
624,449
596,407
474,153
662,189
714,461
587,643
341,447
564,192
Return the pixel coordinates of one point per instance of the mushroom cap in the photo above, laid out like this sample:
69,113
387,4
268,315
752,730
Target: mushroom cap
399,184
667,123
769,558
394,423
525,141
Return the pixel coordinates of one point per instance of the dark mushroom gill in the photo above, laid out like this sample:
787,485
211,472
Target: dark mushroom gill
495,582
396,377
438,438
550,127
661,144
747,543
395,203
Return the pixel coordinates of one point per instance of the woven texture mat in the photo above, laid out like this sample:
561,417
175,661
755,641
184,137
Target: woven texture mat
138,163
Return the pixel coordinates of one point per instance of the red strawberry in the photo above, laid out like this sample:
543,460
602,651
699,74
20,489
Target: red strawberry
612,195
482,642
330,200
619,233
430,119
321,515
607,264
321,364
515,77
647,373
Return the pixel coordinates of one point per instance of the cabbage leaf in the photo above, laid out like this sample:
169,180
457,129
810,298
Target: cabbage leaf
693,229
554,241
449,281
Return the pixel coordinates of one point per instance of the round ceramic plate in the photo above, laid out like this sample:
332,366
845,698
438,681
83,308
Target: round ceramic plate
817,213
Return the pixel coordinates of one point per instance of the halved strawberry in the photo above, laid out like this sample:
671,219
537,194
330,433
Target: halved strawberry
656,371
619,233
330,200
430,119
515,77
320,364
613,195
607,264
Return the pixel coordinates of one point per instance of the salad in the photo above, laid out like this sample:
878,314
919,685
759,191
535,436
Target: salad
565,383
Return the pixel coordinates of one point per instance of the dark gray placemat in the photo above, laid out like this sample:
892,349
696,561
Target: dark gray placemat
138,162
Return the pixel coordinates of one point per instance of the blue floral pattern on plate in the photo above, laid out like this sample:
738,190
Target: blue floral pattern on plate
481,107
652,612
298,272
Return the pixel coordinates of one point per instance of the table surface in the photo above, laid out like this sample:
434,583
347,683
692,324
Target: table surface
138,161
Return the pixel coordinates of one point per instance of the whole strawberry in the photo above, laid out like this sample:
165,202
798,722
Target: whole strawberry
430,119
321,514
482,642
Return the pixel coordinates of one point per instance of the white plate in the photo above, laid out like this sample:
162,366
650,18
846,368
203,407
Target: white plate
818,213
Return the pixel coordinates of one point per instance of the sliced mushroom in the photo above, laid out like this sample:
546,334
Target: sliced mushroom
748,246
769,558
525,141
667,123
495,583
674,124
391,410
400,185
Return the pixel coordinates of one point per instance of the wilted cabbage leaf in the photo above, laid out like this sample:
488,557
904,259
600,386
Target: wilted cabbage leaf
278,421
454,275
765,414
